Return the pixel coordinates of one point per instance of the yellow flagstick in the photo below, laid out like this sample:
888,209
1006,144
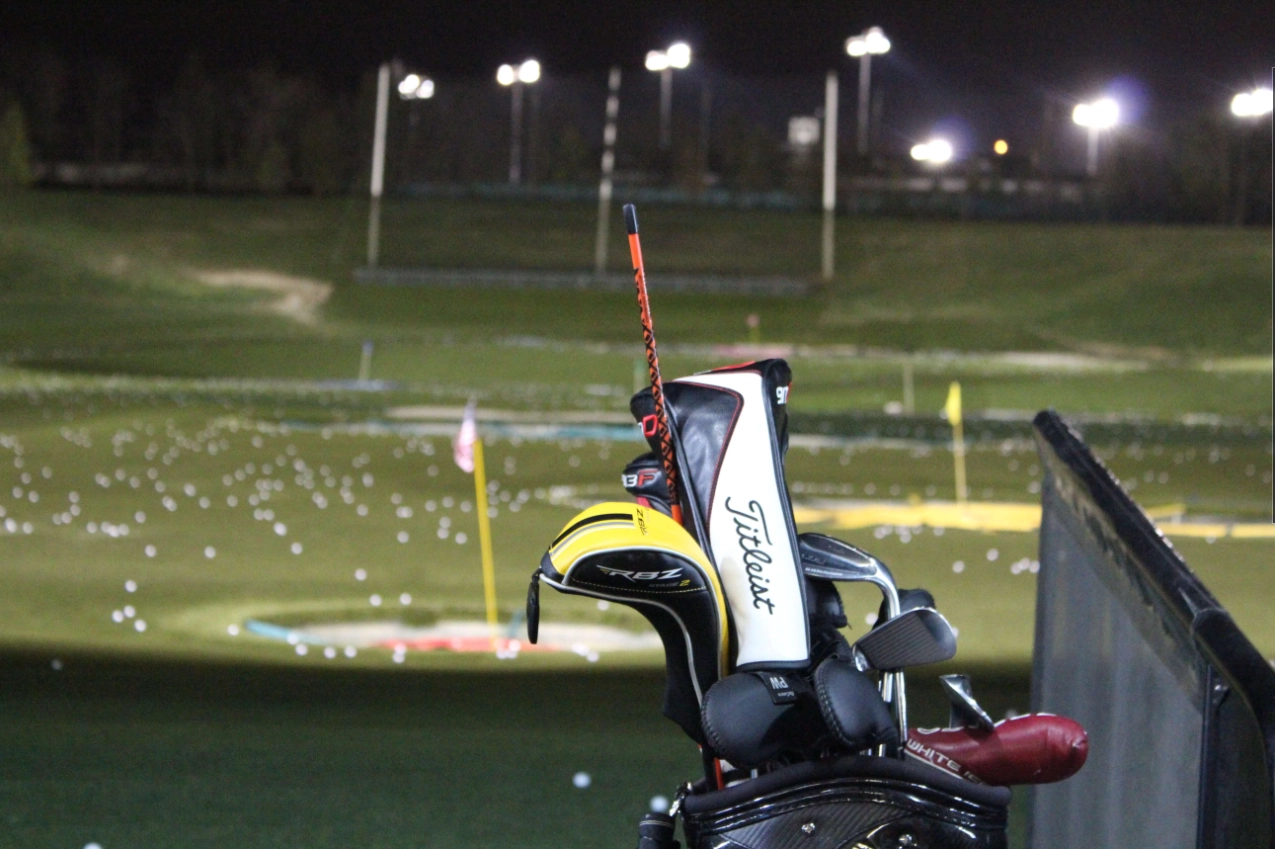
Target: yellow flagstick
953,408
484,539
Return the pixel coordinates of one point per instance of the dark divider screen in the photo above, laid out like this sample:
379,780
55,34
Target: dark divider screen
1179,705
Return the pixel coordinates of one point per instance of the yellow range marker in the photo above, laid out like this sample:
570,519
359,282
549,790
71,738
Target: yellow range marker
1001,516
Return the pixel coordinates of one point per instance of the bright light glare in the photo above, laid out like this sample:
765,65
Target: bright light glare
426,89
656,60
529,71
1001,147
506,75
873,41
934,151
679,54
1252,104
876,41
407,88
1102,114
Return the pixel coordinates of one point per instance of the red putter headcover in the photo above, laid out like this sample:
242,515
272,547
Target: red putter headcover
1036,748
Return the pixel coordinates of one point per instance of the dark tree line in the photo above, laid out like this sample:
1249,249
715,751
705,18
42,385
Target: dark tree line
267,130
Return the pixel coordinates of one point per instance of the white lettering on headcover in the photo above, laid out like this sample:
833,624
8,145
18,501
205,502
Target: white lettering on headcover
751,544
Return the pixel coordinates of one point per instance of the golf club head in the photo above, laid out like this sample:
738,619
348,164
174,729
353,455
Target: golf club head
965,712
831,559
750,718
908,600
641,558
853,708
914,638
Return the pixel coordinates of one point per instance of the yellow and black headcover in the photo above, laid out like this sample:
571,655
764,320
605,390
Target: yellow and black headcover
639,557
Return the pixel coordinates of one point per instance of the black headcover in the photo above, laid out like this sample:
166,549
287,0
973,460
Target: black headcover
644,479
852,706
908,600
750,718
827,616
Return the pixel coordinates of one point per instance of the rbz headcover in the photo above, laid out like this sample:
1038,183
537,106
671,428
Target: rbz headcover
641,558
730,433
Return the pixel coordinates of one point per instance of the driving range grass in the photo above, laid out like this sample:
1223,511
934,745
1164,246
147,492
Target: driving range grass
124,374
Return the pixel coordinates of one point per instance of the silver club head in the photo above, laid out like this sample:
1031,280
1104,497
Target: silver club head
965,711
914,638
824,557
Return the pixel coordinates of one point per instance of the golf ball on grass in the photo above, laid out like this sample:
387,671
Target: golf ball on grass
581,780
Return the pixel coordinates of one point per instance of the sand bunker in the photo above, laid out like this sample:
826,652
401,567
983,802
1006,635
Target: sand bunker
299,297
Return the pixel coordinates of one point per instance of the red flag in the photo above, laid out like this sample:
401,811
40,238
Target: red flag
463,446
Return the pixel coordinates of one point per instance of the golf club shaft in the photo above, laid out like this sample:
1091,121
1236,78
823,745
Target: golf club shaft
663,436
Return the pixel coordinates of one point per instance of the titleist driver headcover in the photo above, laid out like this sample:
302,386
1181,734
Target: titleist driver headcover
750,718
852,707
730,431
641,558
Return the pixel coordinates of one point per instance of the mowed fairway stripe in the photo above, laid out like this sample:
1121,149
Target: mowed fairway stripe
993,516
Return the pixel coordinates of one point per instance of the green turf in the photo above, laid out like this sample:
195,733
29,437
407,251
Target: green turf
119,366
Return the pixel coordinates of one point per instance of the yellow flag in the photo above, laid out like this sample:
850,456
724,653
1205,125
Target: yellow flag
953,405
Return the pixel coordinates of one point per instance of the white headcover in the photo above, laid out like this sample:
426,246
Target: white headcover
750,533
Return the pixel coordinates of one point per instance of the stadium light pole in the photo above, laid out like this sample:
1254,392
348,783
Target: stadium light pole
829,173
515,78
1249,107
871,42
410,87
676,56
608,168
1097,117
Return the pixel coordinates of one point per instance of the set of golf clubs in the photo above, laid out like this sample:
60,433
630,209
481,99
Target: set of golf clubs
762,719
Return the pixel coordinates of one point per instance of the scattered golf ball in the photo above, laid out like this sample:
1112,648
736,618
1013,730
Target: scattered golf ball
360,574
140,625
402,536
150,550
958,567
375,600
405,599
210,552
659,804
871,618
581,780
301,648
232,630
130,586
296,548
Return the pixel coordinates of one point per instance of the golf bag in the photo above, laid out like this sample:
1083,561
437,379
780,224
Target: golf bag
729,429
861,802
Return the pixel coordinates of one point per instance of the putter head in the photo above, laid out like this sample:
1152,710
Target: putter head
914,638
641,558
965,713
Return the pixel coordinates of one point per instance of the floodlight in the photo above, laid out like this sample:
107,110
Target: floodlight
425,90
679,54
506,75
1001,147
876,42
1102,114
934,151
940,151
657,60
407,88
1252,104
529,71
857,46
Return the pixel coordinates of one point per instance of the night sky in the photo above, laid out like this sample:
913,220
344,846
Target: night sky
977,63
